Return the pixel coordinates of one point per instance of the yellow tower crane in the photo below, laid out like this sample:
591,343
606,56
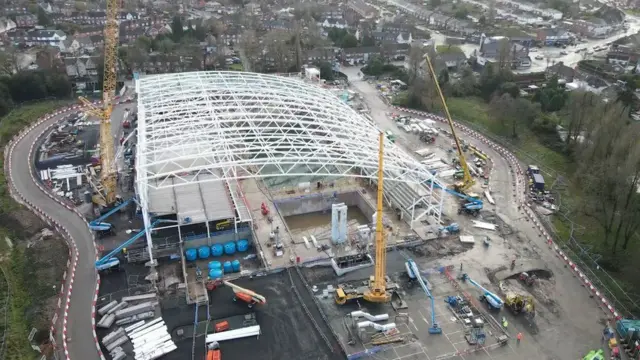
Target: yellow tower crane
467,181
107,152
378,289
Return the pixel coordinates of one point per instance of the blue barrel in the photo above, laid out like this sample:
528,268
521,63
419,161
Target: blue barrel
217,250
235,264
215,274
230,248
204,252
227,267
191,254
242,245
214,265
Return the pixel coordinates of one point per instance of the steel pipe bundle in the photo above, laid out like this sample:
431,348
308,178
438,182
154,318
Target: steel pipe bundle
136,309
150,340
103,310
120,306
119,341
117,333
106,321
133,318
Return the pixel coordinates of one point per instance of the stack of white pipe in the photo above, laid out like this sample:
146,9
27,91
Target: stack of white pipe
150,340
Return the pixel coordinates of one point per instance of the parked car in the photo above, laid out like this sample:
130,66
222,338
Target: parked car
539,57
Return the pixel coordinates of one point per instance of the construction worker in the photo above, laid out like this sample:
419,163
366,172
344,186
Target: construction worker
124,250
505,323
513,264
518,338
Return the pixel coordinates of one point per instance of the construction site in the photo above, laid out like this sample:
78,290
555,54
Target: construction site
302,221
254,252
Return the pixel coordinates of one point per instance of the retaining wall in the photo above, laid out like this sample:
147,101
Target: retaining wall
317,202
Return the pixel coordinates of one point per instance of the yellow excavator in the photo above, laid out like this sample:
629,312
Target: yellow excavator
378,289
467,180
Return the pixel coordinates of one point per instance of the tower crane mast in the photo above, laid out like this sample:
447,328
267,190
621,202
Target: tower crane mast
107,152
467,180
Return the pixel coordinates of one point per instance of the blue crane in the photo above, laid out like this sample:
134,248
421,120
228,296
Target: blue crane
492,299
99,225
472,204
108,260
411,265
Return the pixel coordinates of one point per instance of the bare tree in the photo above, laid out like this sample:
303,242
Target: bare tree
416,61
250,50
279,49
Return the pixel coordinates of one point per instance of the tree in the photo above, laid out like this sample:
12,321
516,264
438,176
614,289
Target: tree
250,50
278,50
461,13
368,40
349,41
43,18
6,103
415,61
177,31
434,3
581,109
552,97
326,70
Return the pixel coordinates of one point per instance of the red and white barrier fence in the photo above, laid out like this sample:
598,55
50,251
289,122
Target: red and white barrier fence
72,261
520,186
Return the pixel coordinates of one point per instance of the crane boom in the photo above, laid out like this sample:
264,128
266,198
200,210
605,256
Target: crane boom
107,152
377,291
467,180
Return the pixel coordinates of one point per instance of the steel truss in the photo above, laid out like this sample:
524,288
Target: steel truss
234,125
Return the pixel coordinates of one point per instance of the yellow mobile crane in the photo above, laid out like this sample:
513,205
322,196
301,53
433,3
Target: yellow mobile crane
107,152
378,289
467,181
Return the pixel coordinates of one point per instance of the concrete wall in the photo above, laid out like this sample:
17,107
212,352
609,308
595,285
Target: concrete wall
316,202
219,238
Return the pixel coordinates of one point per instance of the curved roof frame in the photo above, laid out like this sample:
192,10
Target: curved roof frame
232,125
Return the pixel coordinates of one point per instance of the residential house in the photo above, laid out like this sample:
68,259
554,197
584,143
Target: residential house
359,55
333,23
26,21
562,71
167,63
623,55
425,15
232,36
553,36
282,25
358,9
6,25
461,27
83,73
327,54
390,37
38,37
90,31
500,48
452,56
332,14
78,45
159,29
397,27
131,35
593,28
439,21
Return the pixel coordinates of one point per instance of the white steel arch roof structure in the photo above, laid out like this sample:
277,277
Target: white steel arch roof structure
219,126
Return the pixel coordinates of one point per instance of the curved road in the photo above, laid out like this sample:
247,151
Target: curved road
79,327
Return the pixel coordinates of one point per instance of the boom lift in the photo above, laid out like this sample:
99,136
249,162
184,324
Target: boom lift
107,153
471,203
379,290
435,327
492,299
467,181
99,224
246,295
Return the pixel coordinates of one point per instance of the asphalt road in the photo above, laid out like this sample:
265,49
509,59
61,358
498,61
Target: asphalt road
79,333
